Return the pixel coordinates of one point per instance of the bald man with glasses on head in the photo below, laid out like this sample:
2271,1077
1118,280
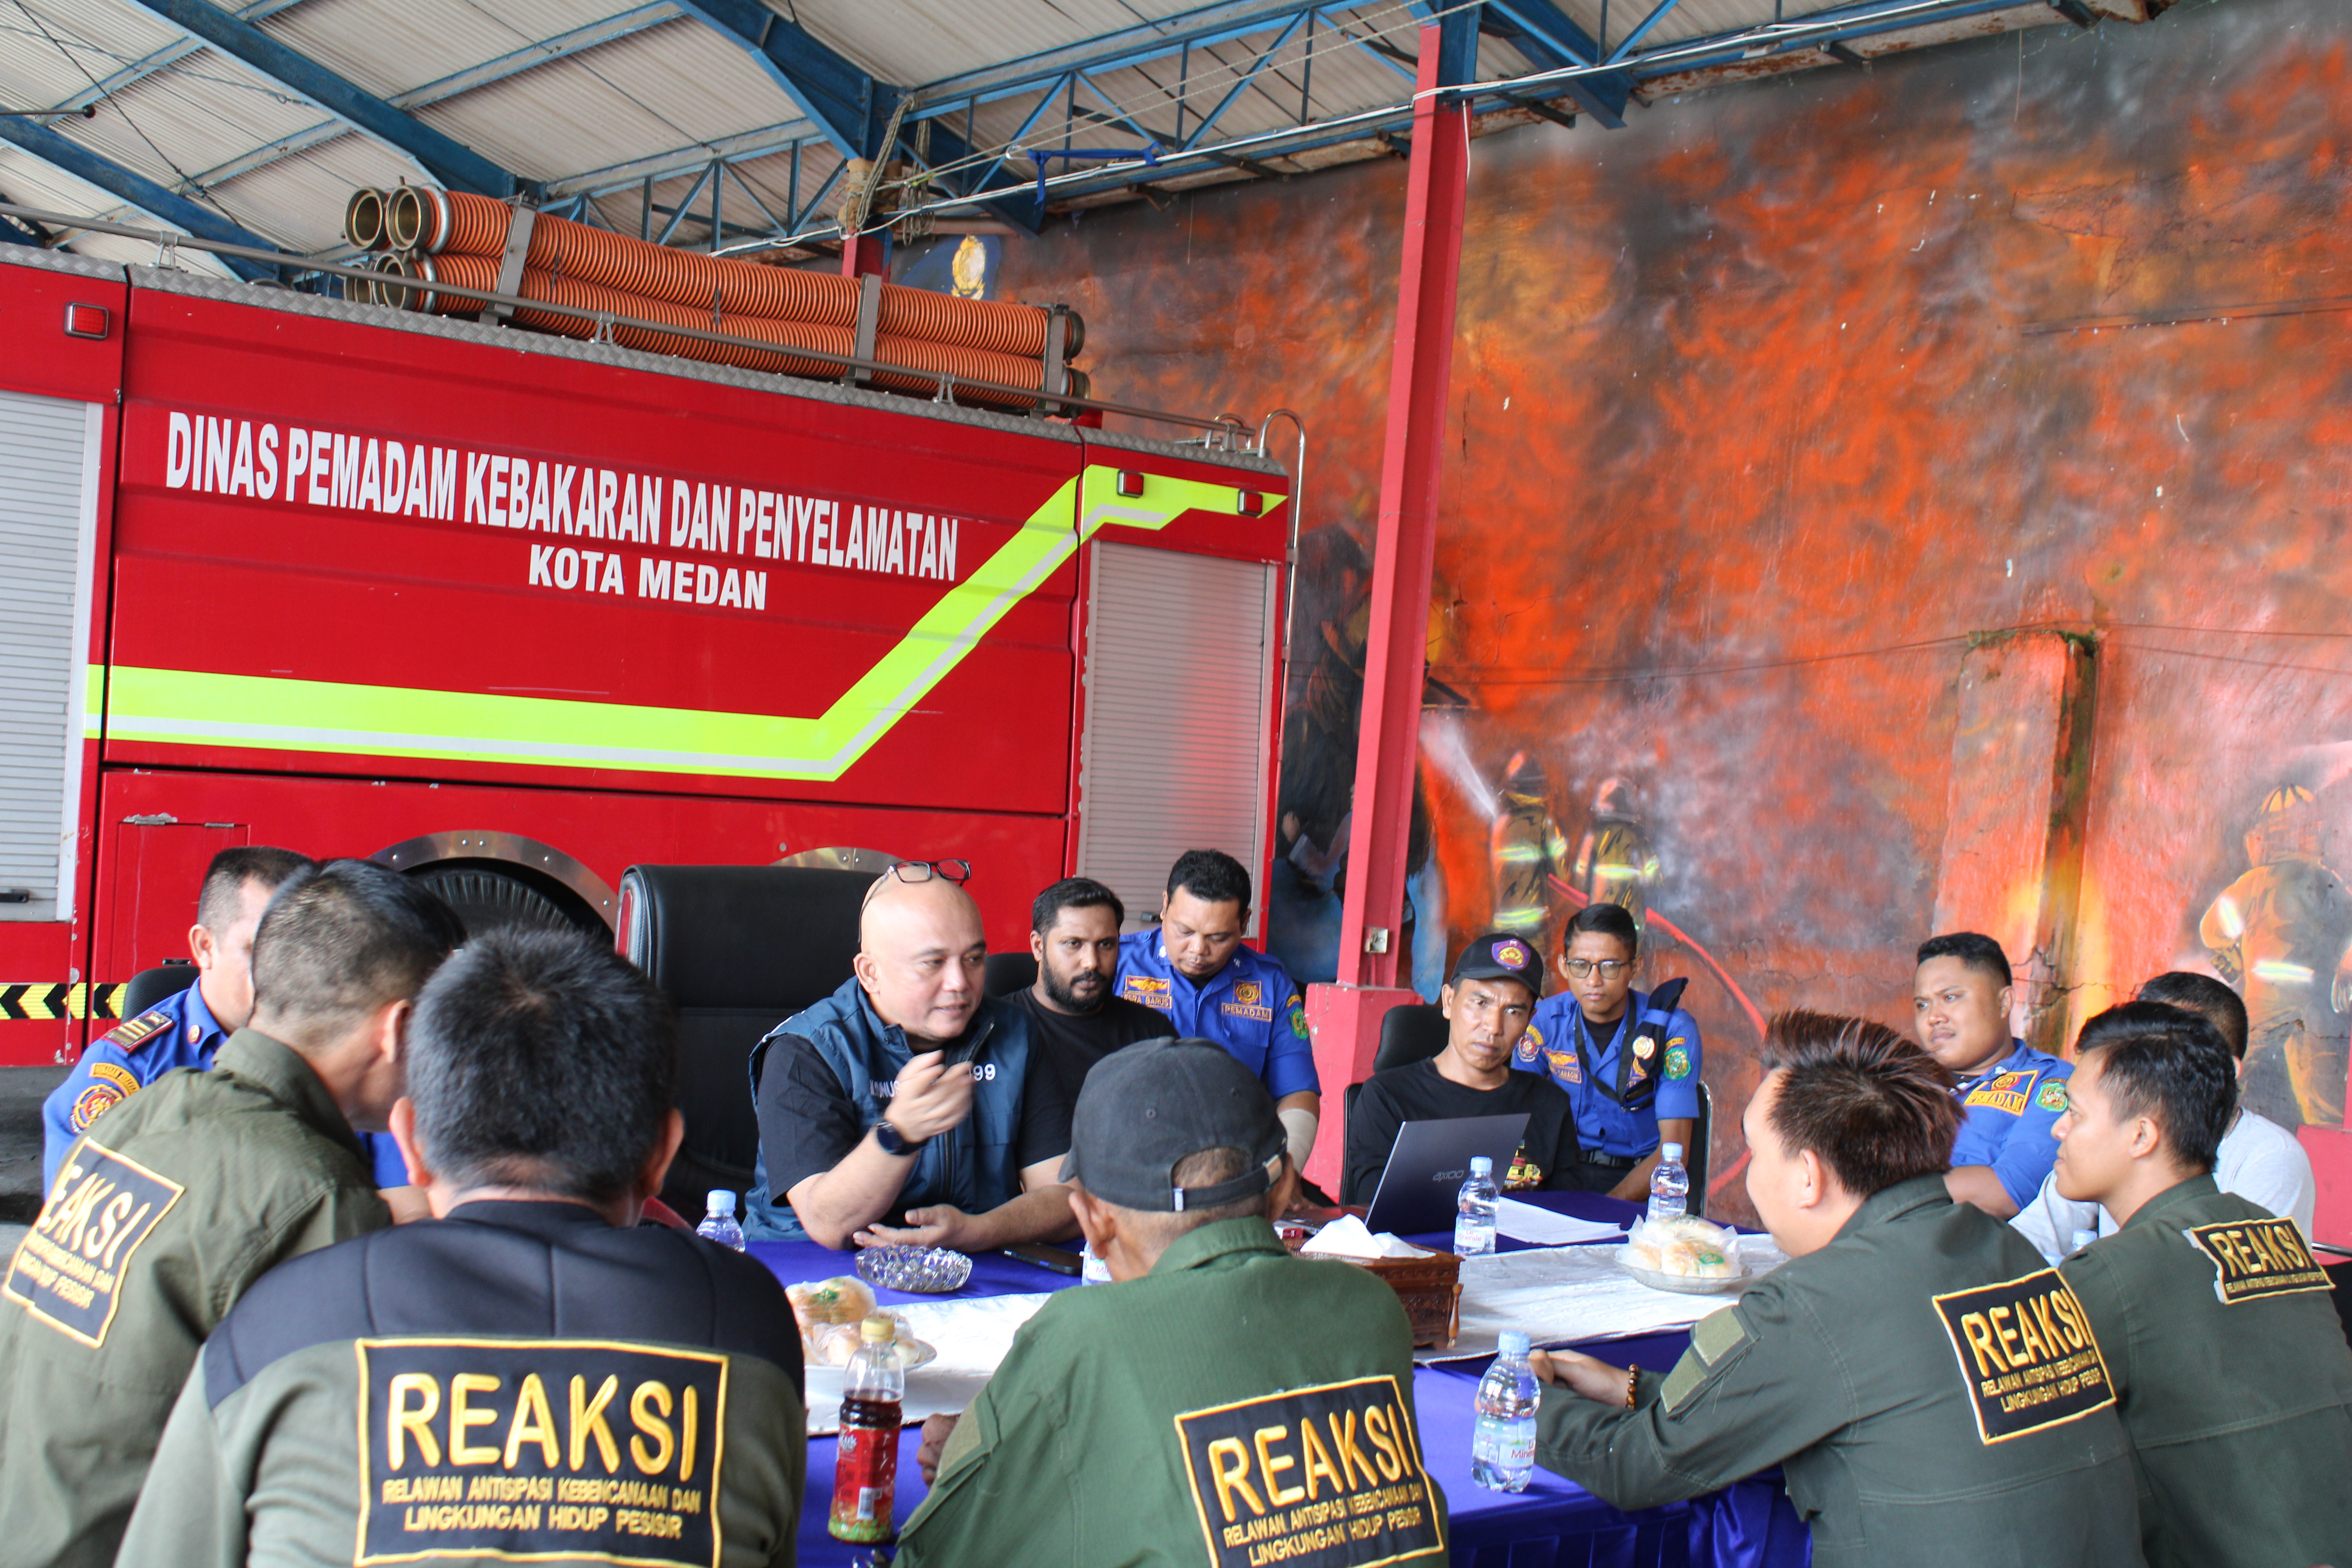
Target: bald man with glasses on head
902,1107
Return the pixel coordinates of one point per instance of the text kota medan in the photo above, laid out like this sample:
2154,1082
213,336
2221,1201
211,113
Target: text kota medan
1330,1476
346,472
602,1451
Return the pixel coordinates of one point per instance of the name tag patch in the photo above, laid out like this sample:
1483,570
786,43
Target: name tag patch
69,1269
2257,1257
1151,992
585,1450
2026,1355
1328,1477
2004,1092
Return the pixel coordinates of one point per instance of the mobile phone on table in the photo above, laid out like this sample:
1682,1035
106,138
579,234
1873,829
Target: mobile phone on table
1060,1259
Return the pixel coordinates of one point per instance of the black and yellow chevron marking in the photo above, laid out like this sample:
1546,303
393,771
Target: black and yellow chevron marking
34,999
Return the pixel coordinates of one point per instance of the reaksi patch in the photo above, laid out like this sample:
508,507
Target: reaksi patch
2254,1258
69,1269
525,1449
1328,1477
2026,1355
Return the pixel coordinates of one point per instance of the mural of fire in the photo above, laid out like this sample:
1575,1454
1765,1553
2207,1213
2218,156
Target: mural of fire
1877,500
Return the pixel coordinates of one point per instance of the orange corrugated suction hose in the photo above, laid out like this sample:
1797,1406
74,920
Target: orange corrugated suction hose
439,222
999,326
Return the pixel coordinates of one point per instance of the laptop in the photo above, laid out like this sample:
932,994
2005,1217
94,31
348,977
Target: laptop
1422,1183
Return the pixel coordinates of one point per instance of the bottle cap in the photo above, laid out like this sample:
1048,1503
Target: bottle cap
878,1331
720,1201
1673,1151
1481,1166
1513,1342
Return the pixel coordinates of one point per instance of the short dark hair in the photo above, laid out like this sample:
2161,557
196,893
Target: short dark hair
1975,949
1210,876
2205,996
341,940
541,1059
2167,1063
1073,893
231,870
1205,1169
1874,1107
1603,919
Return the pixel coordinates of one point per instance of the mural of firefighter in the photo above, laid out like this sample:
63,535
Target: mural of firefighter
2282,934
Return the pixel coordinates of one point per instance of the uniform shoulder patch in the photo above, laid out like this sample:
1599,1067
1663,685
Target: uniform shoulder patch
2027,1357
67,1271
1715,1339
596,1451
1530,1047
1297,1018
2254,1258
1678,1062
2051,1095
129,1036
1329,1475
94,1101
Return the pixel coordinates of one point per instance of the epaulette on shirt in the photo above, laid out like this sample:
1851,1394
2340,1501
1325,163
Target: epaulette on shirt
130,1035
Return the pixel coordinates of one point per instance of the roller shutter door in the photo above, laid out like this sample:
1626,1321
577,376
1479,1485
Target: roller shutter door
48,453
1180,652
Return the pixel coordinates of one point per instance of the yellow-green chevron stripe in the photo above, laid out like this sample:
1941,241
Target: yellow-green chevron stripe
270,713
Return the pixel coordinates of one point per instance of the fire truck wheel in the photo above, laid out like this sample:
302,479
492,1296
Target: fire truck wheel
489,897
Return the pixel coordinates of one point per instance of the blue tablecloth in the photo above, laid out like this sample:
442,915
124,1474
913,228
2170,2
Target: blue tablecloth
1554,1523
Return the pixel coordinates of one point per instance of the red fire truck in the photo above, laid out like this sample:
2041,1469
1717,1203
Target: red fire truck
511,613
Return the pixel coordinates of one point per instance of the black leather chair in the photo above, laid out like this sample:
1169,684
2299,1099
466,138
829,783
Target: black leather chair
160,984
1411,1033
739,949
1695,1158
1010,973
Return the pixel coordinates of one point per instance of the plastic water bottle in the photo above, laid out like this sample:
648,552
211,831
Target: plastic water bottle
1669,1185
866,1466
718,1222
1474,1214
1503,1448
1092,1269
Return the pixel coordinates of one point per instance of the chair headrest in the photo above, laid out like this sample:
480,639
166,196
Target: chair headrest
777,937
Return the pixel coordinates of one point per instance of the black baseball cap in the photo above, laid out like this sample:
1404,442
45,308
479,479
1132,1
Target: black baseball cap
1500,956
1146,1109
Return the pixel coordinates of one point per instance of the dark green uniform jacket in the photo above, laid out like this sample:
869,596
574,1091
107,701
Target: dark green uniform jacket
1235,1399
519,1381
2233,1379
1925,1381
163,1213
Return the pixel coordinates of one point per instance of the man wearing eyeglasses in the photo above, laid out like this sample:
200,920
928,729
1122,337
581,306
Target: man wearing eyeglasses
901,1107
1631,1065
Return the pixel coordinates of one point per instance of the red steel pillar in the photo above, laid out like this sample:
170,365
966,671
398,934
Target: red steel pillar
1345,1018
864,253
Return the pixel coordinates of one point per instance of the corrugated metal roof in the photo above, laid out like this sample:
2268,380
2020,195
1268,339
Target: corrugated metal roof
635,90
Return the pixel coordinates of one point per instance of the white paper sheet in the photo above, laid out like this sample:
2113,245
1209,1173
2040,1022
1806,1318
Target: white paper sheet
1567,1294
1542,1228
972,1337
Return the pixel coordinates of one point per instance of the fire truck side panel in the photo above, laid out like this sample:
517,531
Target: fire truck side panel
490,624
63,322
1012,856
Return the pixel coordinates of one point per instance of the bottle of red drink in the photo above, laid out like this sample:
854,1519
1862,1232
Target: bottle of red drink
866,1467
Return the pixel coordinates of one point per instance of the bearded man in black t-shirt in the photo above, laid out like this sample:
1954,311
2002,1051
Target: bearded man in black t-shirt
1074,1021
1487,1005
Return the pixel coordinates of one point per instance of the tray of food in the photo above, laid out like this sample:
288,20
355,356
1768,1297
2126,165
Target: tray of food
1686,1254
829,1312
